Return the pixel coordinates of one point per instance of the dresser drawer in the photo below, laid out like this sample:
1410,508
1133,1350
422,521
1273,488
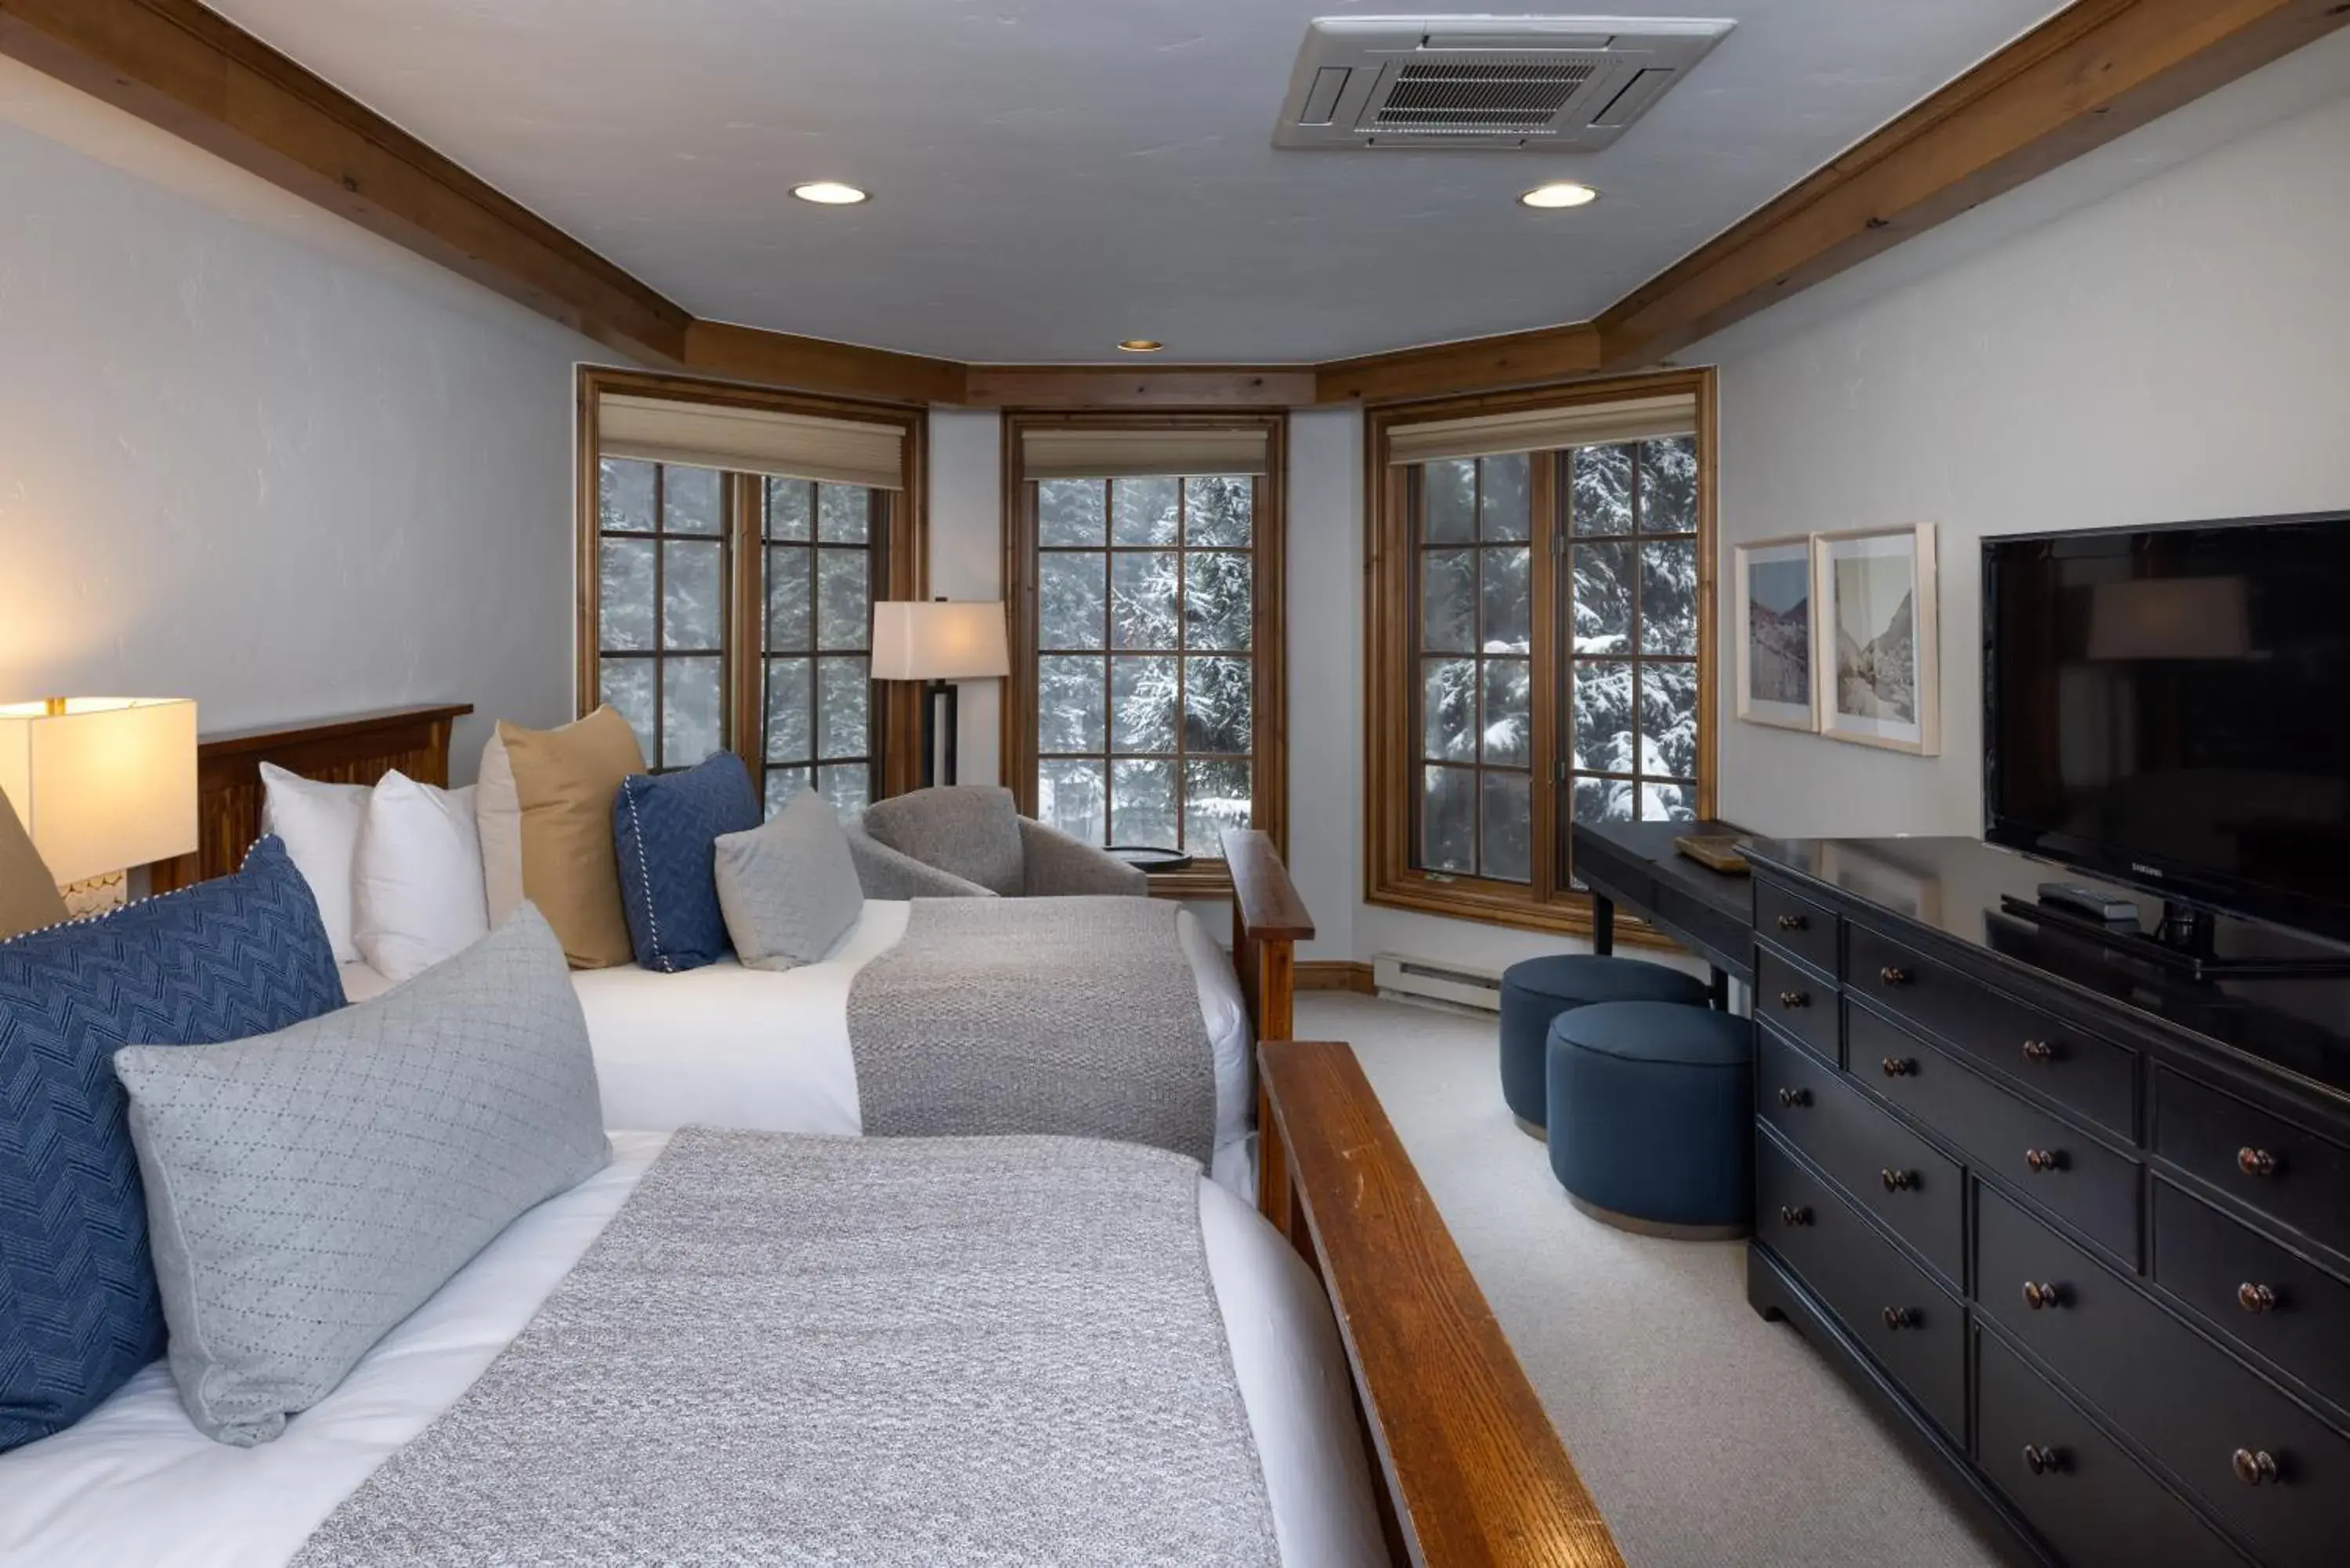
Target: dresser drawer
1798,1003
2086,1497
2080,1071
2253,1291
1791,921
2059,1166
2280,1169
1887,1168
2207,1417
1889,1305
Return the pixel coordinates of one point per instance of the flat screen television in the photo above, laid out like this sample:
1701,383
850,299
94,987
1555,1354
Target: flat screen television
2170,708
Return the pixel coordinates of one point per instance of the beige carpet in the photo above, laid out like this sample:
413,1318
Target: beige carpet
1708,1436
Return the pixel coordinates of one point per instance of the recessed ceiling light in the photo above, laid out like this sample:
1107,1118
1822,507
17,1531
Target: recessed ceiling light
829,193
1560,193
1141,345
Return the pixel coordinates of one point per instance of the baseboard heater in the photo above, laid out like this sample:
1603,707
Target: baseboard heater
1394,974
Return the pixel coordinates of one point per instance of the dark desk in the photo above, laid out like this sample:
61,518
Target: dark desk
1634,864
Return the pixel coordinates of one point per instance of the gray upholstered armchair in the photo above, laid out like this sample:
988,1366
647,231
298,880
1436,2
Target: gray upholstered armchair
970,841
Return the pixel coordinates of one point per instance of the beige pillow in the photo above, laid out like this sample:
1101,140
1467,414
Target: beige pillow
29,899
497,816
565,781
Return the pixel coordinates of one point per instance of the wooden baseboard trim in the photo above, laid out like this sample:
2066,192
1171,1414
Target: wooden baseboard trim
1335,974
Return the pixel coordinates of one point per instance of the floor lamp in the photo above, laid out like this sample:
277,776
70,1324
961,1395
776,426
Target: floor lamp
939,642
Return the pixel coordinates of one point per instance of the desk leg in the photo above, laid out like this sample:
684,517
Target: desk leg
1603,924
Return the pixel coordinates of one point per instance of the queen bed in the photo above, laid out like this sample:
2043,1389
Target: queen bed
801,1050
1386,1418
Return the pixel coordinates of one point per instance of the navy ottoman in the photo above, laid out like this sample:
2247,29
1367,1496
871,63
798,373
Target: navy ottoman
1539,990
1652,1117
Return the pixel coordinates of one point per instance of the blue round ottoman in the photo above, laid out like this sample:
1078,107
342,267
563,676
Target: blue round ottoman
1538,990
1652,1117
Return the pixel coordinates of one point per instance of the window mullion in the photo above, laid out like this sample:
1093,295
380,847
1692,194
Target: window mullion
1547,828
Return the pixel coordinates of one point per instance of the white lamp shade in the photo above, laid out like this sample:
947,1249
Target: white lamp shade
939,640
102,784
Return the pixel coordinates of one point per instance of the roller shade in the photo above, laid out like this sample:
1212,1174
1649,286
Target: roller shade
751,440
1544,429
1054,453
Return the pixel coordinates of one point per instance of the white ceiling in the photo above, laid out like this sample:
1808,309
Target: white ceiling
1050,176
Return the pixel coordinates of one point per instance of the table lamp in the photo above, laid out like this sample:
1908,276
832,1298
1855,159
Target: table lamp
939,642
102,784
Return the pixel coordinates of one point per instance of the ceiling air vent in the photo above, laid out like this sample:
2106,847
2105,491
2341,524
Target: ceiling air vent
1569,84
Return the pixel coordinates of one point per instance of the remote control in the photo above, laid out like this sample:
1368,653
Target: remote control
2094,902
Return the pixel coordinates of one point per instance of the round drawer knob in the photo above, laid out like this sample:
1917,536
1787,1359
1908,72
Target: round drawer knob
1894,974
1795,999
1898,1180
2041,1459
2256,1163
2039,1297
2255,1466
2039,1051
1793,923
1791,1216
1898,1067
2256,1298
2041,1161
1900,1317
1791,1098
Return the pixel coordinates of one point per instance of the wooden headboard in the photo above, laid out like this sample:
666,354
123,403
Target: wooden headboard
360,749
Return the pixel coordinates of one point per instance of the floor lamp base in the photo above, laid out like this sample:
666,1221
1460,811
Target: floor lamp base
932,694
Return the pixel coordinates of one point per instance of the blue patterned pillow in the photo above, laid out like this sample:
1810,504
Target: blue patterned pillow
226,960
665,827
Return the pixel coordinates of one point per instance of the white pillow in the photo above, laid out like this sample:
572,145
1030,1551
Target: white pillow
497,813
321,824
419,877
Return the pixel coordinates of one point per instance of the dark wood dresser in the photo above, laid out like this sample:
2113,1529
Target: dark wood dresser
2080,1226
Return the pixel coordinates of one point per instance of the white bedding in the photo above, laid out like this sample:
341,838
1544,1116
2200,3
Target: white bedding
731,1046
135,1485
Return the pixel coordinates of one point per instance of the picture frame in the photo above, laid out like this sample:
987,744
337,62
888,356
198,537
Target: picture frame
1773,588
1877,643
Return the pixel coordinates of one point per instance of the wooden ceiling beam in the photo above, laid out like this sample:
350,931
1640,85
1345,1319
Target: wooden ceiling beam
178,66
1474,365
1124,387
2094,71
819,365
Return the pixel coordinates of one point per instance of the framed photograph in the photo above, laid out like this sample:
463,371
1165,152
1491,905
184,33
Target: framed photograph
1875,654
1773,594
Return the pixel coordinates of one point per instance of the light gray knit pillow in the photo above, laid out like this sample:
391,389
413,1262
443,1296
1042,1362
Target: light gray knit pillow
789,887
308,1189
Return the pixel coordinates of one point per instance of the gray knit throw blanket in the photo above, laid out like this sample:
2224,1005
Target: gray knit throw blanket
1077,1016
791,1350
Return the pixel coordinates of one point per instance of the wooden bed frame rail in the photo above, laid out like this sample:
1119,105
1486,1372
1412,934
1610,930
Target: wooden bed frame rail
1269,919
357,749
1469,1469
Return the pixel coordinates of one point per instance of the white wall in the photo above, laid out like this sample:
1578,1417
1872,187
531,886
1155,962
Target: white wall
2178,349
252,456
967,559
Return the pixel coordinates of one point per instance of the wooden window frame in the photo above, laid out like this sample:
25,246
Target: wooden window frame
904,542
1269,756
1392,675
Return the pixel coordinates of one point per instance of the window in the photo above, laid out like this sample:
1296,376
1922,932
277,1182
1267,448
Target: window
1542,607
662,606
729,603
1147,645
822,568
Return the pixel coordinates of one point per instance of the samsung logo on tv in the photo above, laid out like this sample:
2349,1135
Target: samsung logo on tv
2144,870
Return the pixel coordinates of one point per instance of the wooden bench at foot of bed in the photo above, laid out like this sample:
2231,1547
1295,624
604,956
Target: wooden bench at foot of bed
1469,1468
